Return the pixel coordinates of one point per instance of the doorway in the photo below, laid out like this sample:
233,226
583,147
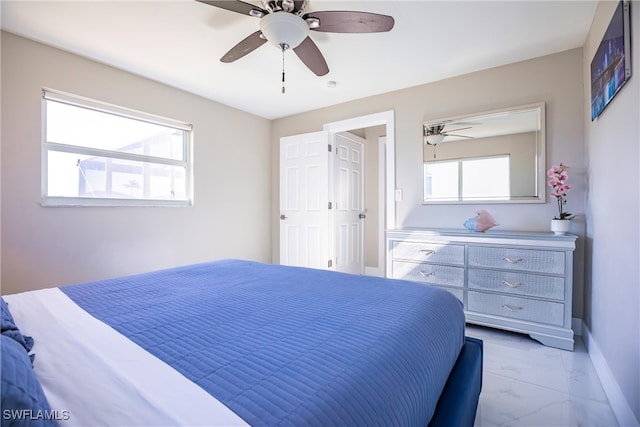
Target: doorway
375,247
294,235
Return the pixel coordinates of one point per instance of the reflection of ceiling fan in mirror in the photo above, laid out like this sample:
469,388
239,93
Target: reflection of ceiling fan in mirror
435,134
286,24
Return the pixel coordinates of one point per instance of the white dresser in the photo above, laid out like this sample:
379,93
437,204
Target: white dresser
519,281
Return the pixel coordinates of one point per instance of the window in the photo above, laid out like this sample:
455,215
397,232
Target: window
467,179
99,154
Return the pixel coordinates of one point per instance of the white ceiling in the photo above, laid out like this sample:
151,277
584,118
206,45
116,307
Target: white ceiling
179,43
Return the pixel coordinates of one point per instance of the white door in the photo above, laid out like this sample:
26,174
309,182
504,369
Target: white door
304,199
349,215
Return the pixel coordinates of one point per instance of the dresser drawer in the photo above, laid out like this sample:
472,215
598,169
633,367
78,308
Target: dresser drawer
552,262
517,283
428,252
428,273
533,310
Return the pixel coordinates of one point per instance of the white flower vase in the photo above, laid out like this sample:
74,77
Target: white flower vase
560,226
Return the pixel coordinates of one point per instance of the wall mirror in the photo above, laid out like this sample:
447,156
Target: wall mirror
491,157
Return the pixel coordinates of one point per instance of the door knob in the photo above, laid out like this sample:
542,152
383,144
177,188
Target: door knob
283,217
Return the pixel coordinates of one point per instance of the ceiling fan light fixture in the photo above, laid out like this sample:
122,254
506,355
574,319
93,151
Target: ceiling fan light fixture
434,139
283,28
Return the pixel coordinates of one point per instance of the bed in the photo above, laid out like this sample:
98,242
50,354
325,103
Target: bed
236,342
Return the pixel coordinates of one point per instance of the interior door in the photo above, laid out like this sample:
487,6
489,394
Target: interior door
304,200
348,194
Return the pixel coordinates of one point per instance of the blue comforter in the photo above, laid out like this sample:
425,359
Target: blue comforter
291,346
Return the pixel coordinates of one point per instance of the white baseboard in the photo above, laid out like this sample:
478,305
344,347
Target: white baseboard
374,271
619,404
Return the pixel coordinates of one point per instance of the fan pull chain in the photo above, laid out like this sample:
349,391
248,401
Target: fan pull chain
283,49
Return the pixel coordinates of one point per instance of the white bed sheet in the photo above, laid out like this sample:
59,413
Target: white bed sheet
101,377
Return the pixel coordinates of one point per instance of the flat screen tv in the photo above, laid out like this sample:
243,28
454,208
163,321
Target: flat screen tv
611,65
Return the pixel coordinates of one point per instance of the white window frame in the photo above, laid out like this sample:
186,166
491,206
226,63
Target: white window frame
187,162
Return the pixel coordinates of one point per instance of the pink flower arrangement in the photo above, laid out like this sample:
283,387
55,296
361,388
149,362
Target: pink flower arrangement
558,181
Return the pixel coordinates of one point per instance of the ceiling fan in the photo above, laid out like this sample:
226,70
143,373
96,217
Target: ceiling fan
434,134
286,24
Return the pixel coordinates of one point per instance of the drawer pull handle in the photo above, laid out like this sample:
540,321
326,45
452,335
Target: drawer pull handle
426,273
427,252
512,285
512,260
511,307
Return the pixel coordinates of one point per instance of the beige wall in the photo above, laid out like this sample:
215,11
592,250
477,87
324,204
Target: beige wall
43,247
612,279
555,80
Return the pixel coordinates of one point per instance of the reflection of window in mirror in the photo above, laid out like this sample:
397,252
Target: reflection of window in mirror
496,156
467,179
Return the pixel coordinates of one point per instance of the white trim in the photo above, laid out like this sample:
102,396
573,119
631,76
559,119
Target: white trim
374,271
105,202
618,402
382,177
103,107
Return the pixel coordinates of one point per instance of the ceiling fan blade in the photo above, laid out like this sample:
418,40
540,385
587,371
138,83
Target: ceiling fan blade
309,53
345,21
237,6
298,5
455,130
249,44
458,136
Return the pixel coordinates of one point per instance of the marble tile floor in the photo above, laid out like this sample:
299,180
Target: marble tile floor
528,384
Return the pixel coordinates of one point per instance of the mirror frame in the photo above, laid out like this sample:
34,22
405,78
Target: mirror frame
540,170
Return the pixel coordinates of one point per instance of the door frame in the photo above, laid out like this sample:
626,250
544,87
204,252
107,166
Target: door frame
387,204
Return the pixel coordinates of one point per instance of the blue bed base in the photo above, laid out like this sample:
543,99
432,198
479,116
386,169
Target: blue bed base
458,403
